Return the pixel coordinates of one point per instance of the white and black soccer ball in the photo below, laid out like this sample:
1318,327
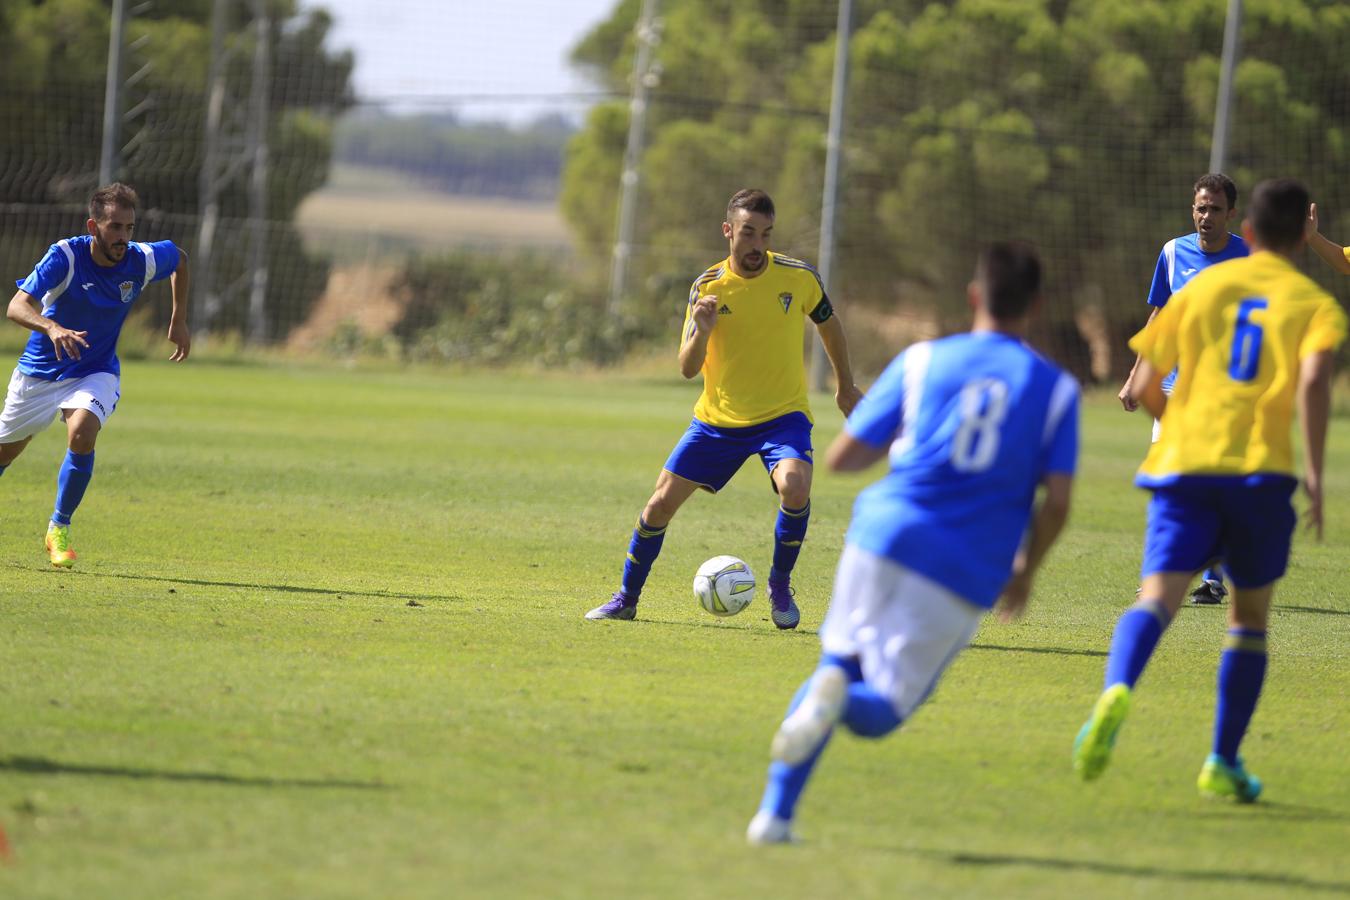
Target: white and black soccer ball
724,585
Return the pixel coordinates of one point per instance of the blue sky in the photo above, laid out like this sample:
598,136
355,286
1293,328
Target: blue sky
482,58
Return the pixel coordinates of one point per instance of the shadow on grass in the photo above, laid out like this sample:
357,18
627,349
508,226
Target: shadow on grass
1312,609
720,626
279,588
38,765
1222,876
1060,651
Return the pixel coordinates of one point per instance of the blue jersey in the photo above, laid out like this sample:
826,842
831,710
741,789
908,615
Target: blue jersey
1181,258
974,422
81,295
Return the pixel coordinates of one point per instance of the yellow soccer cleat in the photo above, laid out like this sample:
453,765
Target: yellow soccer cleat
1092,748
58,546
1220,780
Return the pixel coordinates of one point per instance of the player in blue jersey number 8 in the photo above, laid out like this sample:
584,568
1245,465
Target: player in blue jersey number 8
75,301
973,425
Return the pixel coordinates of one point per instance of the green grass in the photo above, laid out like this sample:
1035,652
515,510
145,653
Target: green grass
324,638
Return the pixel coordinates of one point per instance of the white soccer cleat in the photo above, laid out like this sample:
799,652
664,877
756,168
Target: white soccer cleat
766,828
804,730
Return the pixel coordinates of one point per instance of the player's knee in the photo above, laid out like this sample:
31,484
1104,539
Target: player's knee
82,440
660,509
794,491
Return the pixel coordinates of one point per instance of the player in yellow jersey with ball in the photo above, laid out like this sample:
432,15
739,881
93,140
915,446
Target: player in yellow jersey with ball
744,329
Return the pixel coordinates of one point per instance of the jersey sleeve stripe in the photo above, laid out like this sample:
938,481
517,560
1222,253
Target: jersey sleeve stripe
1060,397
60,289
917,358
149,253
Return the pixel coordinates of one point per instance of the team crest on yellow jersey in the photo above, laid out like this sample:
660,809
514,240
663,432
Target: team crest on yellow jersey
785,299
126,288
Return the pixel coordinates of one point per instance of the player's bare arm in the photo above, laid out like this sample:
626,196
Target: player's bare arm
24,310
846,393
179,334
1046,524
1125,396
1146,389
1314,411
1332,252
848,454
694,350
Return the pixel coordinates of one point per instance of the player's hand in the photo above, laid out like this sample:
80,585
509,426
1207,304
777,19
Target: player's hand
1313,517
1310,227
182,340
1013,601
67,342
847,396
705,313
1126,400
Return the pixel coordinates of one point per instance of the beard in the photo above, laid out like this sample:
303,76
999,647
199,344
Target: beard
754,261
112,251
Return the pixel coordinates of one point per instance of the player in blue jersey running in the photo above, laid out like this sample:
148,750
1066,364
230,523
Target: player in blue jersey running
973,425
1213,209
75,302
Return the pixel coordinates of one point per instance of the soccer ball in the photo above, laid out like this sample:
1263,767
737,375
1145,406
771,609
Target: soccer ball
724,585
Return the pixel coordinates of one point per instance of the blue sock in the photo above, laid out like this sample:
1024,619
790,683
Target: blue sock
1136,635
71,481
786,782
642,552
2,469
1214,574
1242,670
868,713
788,533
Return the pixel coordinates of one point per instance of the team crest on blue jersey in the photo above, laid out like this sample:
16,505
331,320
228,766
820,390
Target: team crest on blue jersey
786,300
126,288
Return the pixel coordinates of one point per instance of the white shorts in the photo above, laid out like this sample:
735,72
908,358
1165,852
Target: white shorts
904,628
33,403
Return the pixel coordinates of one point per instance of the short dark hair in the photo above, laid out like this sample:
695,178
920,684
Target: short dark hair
110,197
1278,212
750,200
1010,274
1217,181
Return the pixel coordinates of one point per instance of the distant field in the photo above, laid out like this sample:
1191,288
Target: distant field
324,639
365,213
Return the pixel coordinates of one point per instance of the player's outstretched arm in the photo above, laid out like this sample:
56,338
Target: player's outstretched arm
1146,388
1046,525
179,334
848,454
24,310
1329,250
1314,410
694,348
846,393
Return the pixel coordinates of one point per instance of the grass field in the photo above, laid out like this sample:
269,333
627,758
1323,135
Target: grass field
324,639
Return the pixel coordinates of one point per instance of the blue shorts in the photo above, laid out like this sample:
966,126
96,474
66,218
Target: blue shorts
708,455
1246,521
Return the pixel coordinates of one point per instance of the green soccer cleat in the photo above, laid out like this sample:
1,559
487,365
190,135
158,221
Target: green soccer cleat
58,546
1092,747
1222,781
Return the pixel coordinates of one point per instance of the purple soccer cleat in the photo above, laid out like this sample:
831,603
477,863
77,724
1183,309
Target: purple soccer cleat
784,608
617,608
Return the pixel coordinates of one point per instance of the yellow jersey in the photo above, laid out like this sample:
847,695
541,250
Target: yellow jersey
755,369
1238,331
